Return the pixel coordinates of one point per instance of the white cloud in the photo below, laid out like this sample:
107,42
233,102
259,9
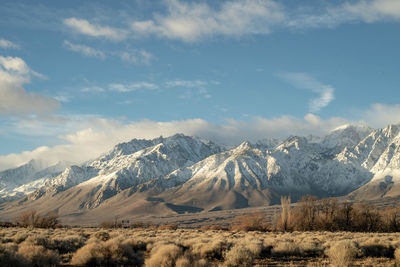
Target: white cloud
199,85
186,83
7,44
14,99
368,11
305,81
99,135
92,89
62,98
84,27
123,88
191,21
138,57
84,50
373,10
87,137
380,115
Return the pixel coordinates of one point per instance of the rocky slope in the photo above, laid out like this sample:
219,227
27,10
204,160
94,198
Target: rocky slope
185,174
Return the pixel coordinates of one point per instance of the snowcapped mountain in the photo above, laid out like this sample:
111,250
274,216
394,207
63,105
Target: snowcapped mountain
17,182
344,136
182,173
129,164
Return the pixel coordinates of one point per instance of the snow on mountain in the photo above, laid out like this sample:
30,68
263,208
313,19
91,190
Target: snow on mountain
126,166
347,135
197,174
20,181
295,167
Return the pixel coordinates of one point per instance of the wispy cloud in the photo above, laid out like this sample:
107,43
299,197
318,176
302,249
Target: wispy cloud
192,21
138,57
84,50
14,99
86,137
123,88
186,83
135,56
84,27
305,81
92,89
368,11
199,85
62,98
6,44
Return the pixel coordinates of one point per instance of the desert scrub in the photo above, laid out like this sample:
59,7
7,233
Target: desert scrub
239,255
38,255
108,253
397,257
342,253
66,244
9,257
164,255
213,250
102,235
286,248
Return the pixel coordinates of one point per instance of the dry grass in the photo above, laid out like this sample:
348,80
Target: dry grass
185,247
343,252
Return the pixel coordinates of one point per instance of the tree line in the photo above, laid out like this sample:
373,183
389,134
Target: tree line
311,214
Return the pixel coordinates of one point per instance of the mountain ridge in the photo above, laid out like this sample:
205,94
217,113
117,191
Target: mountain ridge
187,174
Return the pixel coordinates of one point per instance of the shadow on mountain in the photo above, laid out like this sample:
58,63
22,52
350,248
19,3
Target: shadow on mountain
183,209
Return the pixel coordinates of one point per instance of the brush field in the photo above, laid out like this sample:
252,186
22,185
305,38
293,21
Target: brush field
167,246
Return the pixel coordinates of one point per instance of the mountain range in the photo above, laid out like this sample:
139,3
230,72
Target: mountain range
185,174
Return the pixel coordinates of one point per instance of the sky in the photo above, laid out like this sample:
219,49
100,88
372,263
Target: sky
78,77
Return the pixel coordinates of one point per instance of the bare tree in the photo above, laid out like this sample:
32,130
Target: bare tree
285,216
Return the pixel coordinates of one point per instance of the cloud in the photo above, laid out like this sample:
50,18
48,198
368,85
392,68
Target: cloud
186,83
199,85
138,57
98,135
92,89
373,10
84,50
191,21
62,98
86,137
14,99
368,11
84,27
135,56
380,115
123,88
305,81
7,44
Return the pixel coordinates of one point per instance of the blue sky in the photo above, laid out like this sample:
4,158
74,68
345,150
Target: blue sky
77,77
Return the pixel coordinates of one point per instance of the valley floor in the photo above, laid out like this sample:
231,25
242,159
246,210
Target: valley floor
164,246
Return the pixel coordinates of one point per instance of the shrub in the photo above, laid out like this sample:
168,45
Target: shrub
286,248
109,253
164,256
167,227
33,219
239,256
102,235
250,222
214,228
38,255
397,256
212,251
342,253
67,244
8,257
